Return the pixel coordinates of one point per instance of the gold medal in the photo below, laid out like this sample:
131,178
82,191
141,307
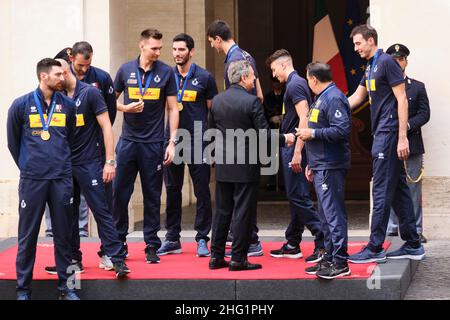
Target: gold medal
180,106
45,135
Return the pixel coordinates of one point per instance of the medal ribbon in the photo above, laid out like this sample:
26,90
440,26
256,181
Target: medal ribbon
45,124
233,47
369,77
147,83
177,81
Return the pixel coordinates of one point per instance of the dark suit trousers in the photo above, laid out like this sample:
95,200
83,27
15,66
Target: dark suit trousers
237,200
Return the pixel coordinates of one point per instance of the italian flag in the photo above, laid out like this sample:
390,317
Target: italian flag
325,48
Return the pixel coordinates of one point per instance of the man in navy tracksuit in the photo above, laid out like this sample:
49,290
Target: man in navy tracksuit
328,150
40,127
80,57
296,101
93,135
147,85
384,82
197,87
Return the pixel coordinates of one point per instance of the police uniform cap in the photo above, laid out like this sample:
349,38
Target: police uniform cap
398,50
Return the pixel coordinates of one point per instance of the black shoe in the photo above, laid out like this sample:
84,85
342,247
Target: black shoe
286,251
69,295
322,264
121,270
334,271
150,255
423,239
76,267
218,263
392,234
242,266
316,256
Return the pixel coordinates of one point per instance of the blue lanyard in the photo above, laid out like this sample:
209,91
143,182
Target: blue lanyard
45,124
233,47
147,83
369,77
177,79
323,94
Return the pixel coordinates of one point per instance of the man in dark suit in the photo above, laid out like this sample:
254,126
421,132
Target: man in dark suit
418,115
240,113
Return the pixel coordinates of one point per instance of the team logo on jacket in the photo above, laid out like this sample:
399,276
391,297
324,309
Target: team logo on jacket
133,75
324,187
111,90
157,79
23,204
195,82
94,182
337,114
78,102
33,109
58,108
375,69
381,156
159,167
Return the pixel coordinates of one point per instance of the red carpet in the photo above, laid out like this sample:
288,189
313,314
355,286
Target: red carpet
180,266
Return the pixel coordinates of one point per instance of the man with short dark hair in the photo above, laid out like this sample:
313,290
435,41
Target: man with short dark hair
196,88
40,128
295,108
384,83
147,84
328,149
418,115
93,139
221,39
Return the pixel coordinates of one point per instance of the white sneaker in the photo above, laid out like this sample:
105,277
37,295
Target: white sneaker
106,263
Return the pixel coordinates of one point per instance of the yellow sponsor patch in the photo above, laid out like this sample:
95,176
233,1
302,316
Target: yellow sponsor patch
373,86
314,117
189,95
151,94
284,110
58,120
80,120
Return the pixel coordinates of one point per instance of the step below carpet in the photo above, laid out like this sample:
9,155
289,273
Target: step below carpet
182,266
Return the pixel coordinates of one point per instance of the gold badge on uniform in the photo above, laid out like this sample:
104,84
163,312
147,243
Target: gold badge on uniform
397,48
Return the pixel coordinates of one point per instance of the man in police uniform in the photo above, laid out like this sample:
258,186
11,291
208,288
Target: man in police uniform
196,88
418,115
221,39
93,135
328,151
40,129
147,84
296,101
385,84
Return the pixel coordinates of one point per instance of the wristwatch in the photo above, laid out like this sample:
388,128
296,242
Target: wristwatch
111,162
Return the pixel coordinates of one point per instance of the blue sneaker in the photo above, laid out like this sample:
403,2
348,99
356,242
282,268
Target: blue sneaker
169,247
255,250
69,295
367,256
202,249
23,295
406,252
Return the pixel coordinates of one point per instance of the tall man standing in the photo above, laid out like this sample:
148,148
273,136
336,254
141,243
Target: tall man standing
237,182
384,82
40,131
328,151
221,39
147,84
196,88
296,101
418,115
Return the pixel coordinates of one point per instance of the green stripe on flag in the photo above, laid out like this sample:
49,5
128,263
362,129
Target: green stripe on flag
320,9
